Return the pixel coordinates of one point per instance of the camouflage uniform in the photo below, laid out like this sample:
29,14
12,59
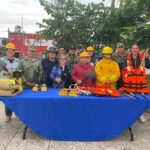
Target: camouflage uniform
72,61
119,59
32,70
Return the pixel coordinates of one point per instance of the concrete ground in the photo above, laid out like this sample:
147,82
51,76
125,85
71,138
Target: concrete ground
11,138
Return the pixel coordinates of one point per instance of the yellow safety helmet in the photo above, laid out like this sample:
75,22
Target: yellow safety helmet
84,54
10,46
90,48
107,50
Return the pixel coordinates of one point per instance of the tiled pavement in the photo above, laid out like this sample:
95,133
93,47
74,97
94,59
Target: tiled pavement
11,138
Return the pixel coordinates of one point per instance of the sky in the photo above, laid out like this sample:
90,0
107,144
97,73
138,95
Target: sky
28,12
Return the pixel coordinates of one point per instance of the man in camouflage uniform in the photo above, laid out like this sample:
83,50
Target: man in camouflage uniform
32,69
119,56
72,58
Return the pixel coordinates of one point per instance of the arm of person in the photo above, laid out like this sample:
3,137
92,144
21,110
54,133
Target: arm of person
114,78
124,64
53,73
21,67
41,74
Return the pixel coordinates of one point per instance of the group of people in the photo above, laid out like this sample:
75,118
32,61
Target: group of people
60,69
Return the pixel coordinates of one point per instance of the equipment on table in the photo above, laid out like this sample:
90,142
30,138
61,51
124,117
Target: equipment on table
71,91
98,91
35,88
9,87
43,88
11,84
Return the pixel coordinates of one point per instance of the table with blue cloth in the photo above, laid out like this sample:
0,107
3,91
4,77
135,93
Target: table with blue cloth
81,118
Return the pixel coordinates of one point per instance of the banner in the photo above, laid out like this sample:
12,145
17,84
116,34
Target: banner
23,40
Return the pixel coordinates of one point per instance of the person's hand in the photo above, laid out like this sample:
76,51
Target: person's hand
108,82
79,81
145,54
58,80
30,84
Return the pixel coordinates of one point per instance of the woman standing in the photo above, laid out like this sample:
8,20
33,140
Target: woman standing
82,70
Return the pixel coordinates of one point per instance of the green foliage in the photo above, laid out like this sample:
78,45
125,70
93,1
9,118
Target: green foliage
74,23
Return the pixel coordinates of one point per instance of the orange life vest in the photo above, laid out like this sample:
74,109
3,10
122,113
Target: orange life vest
101,91
134,79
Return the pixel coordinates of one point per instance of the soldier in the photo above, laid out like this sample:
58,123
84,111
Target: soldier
72,58
32,69
119,56
8,63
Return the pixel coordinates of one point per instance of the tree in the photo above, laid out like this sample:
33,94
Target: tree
72,21
75,23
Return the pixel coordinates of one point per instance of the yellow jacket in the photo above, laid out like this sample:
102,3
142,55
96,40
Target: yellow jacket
107,69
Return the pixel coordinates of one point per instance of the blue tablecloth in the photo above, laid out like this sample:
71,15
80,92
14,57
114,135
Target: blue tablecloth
81,118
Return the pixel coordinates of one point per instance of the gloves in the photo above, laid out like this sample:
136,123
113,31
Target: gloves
91,75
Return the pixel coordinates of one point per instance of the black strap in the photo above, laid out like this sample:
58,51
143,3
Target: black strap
129,83
135,87
135,74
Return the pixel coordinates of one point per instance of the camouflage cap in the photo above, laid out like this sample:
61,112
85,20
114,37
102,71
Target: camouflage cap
51,50
31,48
120,44
72,48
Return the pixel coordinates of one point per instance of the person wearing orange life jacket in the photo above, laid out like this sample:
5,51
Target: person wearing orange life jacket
134,74
107,70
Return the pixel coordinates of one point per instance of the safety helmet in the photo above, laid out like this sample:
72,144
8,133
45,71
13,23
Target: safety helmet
107,50
10,46
90,48
84,54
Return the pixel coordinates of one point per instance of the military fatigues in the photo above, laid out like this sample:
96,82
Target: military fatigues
72,61
119,59
32,70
